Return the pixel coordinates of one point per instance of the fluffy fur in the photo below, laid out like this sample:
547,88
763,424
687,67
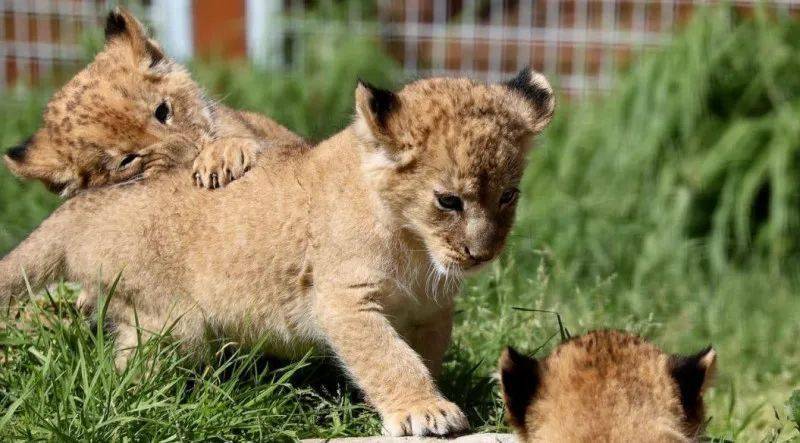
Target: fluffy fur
133,112
606,386
344,246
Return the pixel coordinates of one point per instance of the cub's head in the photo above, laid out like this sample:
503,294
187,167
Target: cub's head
446,157
130,112
606,386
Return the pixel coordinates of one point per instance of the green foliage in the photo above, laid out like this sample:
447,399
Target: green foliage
794,409
695,154
22,205
58,382
315,100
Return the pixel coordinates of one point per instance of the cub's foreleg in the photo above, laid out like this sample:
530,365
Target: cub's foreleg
135,323
40,258
432,338
392,375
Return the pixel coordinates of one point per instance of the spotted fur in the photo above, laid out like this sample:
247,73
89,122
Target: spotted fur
344,247
607,386
102,127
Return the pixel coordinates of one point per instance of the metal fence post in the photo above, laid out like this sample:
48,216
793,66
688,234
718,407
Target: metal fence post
172,20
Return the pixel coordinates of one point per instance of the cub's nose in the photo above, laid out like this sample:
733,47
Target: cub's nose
17,153
478,255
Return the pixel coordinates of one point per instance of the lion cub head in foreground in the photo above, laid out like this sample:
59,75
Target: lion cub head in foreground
445,157
95,129
607,386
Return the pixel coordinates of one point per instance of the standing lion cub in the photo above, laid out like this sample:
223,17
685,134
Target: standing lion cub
351,246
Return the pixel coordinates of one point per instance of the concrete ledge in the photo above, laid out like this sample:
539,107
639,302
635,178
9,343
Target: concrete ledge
473,438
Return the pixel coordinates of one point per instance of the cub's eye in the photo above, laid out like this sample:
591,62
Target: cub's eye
509,196
449,202
127,160
162,112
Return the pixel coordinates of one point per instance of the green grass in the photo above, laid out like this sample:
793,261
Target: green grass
668,208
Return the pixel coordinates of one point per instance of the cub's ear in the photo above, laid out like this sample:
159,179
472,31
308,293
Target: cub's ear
374,107
536,90
693,374
519,380
121,25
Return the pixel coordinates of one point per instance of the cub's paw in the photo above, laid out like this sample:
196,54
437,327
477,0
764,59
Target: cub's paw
86,302
224,160
439,417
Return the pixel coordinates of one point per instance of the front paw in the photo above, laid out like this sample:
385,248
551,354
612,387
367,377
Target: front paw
86,302
224,160
438,417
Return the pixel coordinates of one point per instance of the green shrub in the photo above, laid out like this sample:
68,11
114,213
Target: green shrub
315,100
794,409
693,159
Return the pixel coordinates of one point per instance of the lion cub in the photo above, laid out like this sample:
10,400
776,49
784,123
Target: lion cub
352,246
133,112
607,386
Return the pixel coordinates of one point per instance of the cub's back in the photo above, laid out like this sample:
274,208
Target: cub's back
183,228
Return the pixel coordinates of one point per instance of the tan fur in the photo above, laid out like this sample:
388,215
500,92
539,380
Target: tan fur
106,113
341,246
606,386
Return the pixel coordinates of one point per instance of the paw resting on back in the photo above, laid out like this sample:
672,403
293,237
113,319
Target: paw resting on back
224,160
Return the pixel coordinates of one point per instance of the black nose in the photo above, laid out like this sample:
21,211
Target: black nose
479,257
17,153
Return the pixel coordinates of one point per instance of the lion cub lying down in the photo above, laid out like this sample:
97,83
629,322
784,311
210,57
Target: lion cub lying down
607,386
133,112
352,246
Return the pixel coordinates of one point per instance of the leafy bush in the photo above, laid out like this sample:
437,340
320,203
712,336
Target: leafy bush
695,154
22,204
794,409
316,100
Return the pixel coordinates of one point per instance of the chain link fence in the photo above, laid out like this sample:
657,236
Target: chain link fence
579,43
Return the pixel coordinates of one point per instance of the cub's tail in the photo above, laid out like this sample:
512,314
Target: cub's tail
39,258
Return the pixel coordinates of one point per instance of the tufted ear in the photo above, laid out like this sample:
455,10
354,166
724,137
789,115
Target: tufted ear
693,374
375,109
519,380
122,26
536,90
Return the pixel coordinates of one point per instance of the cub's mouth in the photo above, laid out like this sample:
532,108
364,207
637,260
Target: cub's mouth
56,188
474,267
456,267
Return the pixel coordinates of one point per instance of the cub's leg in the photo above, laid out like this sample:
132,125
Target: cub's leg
431,340
86,301
40,258
135,326
391,374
